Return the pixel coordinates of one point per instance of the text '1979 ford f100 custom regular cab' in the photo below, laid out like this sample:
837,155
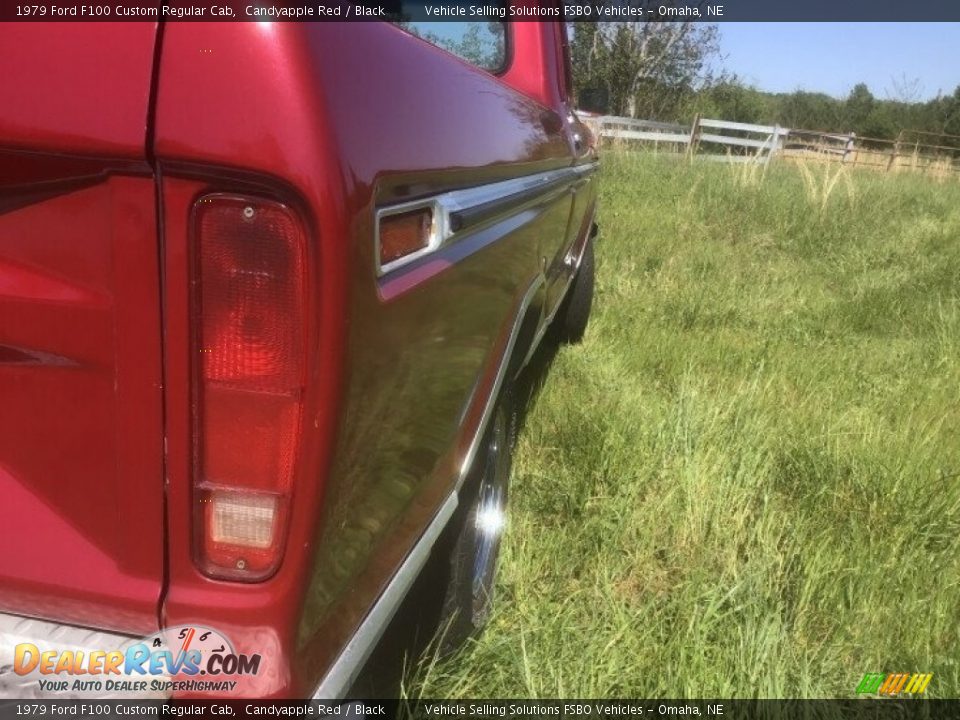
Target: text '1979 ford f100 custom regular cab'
264,289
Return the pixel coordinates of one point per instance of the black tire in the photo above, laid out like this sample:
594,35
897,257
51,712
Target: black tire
575,313
475,532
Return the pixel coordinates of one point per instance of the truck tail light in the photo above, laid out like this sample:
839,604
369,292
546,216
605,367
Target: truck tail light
249,365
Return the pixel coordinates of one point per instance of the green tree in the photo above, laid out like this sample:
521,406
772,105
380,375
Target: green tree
732,100
646,68
860,103
809,111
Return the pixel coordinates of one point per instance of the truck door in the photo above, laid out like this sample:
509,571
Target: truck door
459,121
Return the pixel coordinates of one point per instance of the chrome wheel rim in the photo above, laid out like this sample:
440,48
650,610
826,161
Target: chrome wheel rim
490,517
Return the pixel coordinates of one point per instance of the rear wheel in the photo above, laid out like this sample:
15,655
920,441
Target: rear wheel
575,313
477,529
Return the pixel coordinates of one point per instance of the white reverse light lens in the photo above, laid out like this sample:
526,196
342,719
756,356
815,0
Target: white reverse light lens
245,519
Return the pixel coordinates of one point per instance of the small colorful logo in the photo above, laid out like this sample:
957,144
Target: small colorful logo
891,684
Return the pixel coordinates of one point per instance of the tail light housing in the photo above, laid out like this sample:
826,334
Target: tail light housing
249,370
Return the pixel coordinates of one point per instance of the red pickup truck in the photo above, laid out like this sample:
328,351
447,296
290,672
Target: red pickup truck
264,289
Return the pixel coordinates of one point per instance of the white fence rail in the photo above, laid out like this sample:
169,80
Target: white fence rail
632,129
752,143
737,142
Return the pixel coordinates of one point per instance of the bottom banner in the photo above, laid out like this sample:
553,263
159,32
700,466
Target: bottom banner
874,708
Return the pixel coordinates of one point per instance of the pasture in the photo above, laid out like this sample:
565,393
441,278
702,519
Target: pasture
746,481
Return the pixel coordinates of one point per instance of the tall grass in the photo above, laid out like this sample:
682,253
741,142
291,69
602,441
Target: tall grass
746,481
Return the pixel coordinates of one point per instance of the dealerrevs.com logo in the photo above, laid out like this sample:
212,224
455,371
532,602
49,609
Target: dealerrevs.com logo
185,658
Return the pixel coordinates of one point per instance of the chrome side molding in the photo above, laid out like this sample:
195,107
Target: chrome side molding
459,212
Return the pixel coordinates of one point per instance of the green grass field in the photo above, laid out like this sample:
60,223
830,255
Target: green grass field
746,481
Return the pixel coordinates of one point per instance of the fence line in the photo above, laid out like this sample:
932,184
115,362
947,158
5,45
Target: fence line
746,142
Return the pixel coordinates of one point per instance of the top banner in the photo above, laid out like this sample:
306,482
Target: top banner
717,11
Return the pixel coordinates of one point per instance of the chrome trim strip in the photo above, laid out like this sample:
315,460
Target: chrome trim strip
490,210
348,664
450,209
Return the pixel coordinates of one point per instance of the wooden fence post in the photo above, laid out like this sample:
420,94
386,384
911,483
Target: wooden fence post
848,148
694,141
895,152
775,144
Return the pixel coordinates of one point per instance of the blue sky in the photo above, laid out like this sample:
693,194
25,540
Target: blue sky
833,57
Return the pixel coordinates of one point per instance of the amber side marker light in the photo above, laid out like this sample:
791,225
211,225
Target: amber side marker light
404,236
248,315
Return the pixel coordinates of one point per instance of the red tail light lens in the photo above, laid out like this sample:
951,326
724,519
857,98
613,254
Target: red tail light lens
249,315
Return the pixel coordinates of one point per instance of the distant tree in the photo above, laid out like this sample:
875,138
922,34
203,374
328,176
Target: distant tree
905,90
809,111
860,103
646,67
880,123
951,113
590,57
672,71
730,99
